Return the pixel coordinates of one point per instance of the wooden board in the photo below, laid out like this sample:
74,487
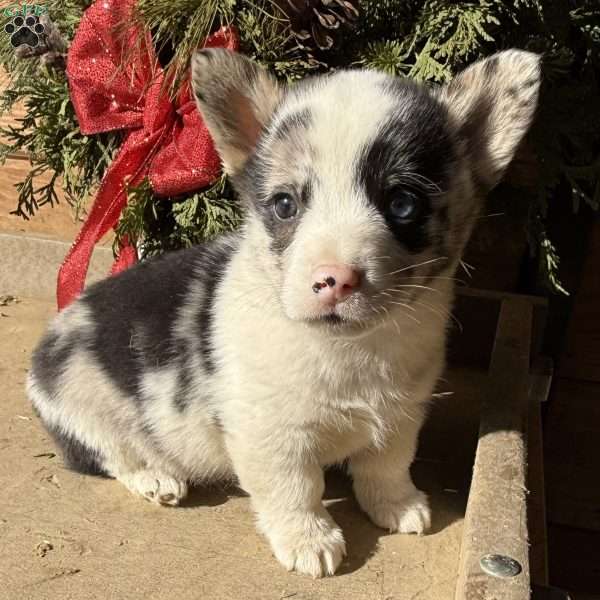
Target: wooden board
496,516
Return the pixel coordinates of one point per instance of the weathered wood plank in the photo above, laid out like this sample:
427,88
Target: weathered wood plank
496,517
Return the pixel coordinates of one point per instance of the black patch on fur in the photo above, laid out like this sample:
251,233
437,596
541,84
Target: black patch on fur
134,312
49,359
440,234
77,456
413,150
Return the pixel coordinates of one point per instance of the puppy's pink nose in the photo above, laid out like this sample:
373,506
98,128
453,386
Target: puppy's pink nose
334,283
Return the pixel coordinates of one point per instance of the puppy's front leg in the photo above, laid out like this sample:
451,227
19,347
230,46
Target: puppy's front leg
383,485
286,488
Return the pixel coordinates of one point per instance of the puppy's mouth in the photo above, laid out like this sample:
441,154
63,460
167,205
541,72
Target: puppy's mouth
338,322
336,326
333,319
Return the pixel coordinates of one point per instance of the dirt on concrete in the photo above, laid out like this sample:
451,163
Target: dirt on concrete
69,536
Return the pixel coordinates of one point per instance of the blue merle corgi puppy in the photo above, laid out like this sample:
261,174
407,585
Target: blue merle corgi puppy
313,335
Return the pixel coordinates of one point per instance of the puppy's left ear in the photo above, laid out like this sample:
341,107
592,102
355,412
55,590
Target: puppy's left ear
492,104
236,98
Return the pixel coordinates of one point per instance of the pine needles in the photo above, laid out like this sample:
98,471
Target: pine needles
179,27
159,224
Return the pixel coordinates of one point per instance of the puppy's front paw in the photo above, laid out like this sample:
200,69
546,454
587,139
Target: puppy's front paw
409,515
317,549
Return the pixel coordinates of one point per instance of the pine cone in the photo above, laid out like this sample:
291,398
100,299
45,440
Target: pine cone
316,20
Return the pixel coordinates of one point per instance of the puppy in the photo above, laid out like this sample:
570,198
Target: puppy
316,333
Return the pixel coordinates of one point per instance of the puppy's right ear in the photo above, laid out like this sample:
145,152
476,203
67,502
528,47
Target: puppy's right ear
236,98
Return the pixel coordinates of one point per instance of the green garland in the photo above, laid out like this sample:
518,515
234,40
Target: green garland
429,41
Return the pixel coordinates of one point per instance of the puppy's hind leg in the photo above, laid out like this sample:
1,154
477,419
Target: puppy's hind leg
140,468
91,446
137,465
155,485
124,463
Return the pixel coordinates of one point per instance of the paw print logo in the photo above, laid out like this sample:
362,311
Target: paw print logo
24,31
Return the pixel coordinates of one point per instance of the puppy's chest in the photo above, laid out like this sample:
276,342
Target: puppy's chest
343,420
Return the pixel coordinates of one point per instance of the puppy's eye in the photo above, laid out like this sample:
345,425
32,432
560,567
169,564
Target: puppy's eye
405,206
285,206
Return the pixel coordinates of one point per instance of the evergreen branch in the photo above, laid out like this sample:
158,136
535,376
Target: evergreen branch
179,27
156,225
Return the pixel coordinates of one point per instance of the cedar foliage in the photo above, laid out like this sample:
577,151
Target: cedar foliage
427,40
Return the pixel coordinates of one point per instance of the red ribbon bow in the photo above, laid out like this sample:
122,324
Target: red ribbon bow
165,141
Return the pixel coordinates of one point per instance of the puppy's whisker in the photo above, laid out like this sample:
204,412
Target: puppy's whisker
421,264
406,314
412,308
441,312
414,285
467,268
374,258
397,326
443,277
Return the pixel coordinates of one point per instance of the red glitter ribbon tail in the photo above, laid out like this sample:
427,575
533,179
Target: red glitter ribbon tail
73,271
103,216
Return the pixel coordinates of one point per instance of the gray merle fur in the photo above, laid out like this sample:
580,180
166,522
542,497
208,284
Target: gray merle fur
50,357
